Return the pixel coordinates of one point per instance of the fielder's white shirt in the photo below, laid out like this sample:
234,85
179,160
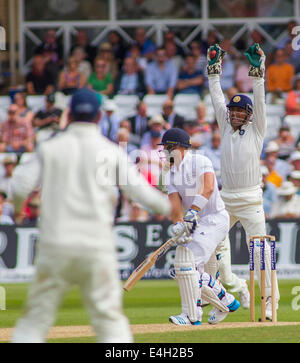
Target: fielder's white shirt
187,180
79,170
240,154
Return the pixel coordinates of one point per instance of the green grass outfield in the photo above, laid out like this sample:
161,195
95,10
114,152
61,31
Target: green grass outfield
151,302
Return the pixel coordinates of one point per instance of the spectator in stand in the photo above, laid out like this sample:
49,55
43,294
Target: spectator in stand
135,53
161,75
285,141
280,73
213,152
172,55
156,123
294,177
211,39
278,169
82,40
204,125
52,67
151,159
46,121
118,47
269,192
71,79
139,122
228,72
146,45
9,164
123,140
288,203
106,53
100,80
84,66
130,81
190,81
243,82
169,37
16,136
200,58
192,129
110,120
293,98
136,213
51,44
39,81
294,161
4,218
170,116
293,56
24,113
33,215
286,44
273,177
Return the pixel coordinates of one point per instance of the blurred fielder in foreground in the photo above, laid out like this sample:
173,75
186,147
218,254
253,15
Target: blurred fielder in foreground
77,171
242,127
199,210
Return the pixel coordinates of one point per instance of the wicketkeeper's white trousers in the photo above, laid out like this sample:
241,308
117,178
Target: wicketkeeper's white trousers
96,274
249,211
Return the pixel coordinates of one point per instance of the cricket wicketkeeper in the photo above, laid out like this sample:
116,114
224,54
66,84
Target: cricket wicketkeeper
243,127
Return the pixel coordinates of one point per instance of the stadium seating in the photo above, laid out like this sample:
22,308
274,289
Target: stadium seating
294,123
154,104
35,103
126,105
185,105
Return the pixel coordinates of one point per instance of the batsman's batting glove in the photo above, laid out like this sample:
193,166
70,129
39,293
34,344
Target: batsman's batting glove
256,58
191,220
181,235
214,64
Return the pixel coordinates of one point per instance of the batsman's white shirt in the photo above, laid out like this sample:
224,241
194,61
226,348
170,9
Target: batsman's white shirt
187,180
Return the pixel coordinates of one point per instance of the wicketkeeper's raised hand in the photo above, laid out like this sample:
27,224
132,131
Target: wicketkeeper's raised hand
256,58
215,56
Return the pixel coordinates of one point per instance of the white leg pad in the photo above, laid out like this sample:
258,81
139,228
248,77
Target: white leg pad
188,281
214,293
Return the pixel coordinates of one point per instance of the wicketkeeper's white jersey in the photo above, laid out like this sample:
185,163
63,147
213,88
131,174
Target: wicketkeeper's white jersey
79,171
240,152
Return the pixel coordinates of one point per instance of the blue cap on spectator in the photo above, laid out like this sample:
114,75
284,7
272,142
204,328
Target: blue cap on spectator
85,105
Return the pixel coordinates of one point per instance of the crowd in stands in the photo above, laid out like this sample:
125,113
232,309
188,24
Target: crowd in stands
143,68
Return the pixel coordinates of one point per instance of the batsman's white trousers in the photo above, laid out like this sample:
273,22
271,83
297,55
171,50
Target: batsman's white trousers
248,209
211,231
96,274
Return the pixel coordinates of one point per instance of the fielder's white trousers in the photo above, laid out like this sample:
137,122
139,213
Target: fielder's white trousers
247,208
96,274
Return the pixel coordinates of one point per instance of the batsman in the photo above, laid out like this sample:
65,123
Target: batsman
243,127
199,211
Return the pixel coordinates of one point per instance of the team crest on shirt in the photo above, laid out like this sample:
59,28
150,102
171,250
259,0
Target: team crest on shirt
236,99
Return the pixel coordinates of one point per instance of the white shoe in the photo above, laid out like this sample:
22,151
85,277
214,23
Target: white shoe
244,297
269,314
182,319
216,316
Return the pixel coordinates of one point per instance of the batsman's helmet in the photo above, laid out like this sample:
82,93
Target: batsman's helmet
175,137
242,101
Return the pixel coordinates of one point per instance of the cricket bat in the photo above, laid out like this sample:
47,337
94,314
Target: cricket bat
145,266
